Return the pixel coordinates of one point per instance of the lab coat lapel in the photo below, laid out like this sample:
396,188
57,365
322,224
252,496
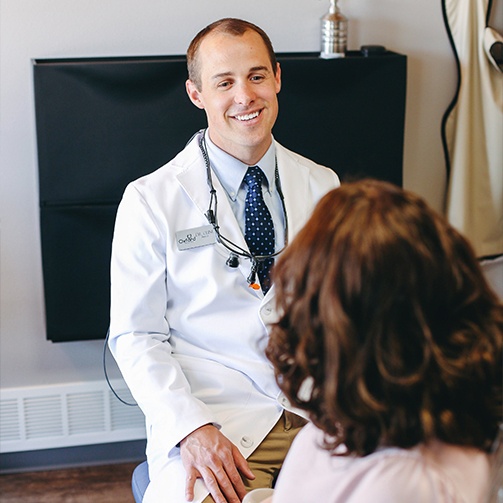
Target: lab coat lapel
294,179
194,182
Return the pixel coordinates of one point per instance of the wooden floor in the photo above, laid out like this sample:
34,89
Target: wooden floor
97,484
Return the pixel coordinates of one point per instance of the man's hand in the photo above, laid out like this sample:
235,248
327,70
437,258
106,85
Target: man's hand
208,454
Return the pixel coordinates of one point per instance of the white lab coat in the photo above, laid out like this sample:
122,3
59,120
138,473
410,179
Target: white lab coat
186,330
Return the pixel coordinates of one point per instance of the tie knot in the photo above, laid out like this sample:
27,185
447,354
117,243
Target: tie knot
254,176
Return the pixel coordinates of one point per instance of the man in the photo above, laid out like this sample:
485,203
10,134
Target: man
187,330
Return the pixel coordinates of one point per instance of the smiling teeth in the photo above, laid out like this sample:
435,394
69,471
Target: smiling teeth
247,117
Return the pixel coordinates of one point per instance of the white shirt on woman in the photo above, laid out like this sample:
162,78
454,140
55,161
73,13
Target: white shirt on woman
432,473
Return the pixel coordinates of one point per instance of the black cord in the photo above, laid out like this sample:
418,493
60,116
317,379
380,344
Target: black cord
212,218
106,373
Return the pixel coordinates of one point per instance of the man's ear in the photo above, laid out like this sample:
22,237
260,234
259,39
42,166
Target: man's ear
277,78
194,94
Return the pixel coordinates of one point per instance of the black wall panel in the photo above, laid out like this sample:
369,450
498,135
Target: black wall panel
104,122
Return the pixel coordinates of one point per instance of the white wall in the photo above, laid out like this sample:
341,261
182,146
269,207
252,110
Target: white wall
62,28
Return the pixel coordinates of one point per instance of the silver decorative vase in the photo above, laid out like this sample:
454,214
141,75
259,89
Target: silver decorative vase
334,33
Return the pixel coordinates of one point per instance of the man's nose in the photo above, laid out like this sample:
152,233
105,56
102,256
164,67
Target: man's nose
245,94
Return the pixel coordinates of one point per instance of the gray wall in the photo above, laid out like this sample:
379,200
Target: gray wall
62,28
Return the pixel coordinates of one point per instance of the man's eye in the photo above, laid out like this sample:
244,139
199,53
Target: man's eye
257,77
224,84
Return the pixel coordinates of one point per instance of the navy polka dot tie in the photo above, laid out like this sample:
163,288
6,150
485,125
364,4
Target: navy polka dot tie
259,228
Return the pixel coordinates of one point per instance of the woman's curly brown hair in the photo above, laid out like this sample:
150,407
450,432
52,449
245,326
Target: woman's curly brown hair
388,333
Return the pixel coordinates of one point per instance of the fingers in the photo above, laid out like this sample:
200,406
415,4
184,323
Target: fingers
209,455
222,480
242,465
190,481
220,487
230,480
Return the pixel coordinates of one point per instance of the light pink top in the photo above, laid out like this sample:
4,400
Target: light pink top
436,473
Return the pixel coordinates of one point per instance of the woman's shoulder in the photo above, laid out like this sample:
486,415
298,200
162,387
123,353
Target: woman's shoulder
433,472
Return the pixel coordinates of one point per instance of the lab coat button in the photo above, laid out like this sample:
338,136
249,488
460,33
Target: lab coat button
246,441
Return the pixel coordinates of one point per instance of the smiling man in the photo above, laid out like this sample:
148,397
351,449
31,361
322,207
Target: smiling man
236,82
193,249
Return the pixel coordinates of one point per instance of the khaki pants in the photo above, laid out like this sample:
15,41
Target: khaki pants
265,462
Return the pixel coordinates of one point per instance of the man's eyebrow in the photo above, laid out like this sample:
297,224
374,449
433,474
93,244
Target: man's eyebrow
252,70
221,75
259,69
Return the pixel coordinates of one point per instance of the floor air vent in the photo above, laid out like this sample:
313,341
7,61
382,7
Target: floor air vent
46,417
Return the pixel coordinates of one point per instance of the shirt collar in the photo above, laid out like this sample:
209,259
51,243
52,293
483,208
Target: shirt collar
230,171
